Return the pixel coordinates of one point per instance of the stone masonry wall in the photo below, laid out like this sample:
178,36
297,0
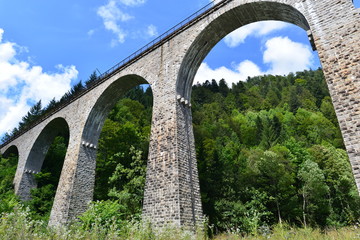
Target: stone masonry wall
335,27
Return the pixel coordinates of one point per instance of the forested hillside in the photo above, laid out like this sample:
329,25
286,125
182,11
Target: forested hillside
269,151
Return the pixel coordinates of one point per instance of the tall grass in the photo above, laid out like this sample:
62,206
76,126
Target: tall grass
283,232
18,225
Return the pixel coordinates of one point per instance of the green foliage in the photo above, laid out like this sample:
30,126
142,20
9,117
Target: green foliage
41,201
343,195
243,217
104,213
285,231
129,185
19,225
33,114
47,180
92,79
8,200
267,138
122,154
314,192
269,152
77,88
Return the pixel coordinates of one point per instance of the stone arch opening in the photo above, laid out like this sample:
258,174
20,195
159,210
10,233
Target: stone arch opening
105,103
43,156
217,30
11,151
119,128
8,165
227,23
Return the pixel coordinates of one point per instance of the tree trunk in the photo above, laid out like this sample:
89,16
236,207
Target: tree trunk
278,210
304,208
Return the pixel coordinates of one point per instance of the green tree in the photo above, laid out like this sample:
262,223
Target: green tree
338,176
315,194
32,115
128,184
276,178
8,200
47,180
114,144
92,79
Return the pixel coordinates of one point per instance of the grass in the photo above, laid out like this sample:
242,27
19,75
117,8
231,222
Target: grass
18,225
287,233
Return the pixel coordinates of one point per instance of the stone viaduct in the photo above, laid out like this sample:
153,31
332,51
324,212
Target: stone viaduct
172,193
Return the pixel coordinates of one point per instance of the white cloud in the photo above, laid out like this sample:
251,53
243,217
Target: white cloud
258,29
132,2
21,83
112,15
152,31
284,56
13,114
281,55
7,52
239,73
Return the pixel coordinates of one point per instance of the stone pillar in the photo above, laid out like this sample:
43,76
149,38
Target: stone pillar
20,178
335,28
172,194
190,199
23,188
25,180
76,185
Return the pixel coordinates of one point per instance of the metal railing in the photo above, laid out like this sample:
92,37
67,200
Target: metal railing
151,46
160,39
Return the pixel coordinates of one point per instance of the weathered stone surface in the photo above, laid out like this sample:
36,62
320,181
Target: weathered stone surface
172,193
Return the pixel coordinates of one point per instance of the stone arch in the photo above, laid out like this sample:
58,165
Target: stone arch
12,150
82,189
35,159
226,23
330,40
105,103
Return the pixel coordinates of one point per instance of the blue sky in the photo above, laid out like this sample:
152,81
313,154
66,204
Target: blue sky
46,46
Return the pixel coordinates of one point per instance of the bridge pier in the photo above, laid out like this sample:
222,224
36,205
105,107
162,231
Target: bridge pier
172,192
336,35
76,185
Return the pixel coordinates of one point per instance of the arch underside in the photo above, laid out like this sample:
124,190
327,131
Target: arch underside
226,23
105,103
83,182
57,127
34,162
12,150
337,34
